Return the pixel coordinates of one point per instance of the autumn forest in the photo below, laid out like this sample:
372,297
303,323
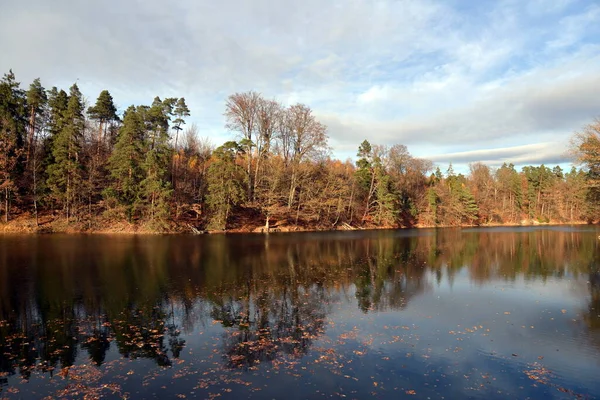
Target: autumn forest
70,166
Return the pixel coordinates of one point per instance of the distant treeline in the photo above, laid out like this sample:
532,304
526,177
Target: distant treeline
61,159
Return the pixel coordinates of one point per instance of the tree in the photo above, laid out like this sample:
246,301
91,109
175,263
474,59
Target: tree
585,146
483,187
510,191
104,111
408,177
226,180
65,174
308,141
156,188
375,184
575,192
266,127
181,110
125,163
241,112
36,101
12,132
539,181
460,206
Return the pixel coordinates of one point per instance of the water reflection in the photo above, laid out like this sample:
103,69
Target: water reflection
66,297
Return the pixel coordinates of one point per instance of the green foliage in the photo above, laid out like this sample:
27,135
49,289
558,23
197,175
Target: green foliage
125,163
226,183
12,132
155,187
386,210
432,201
104,110
462,202
181,111
37,100
539,181
364,166
65,179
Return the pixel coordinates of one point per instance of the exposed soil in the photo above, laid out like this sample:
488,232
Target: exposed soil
247,220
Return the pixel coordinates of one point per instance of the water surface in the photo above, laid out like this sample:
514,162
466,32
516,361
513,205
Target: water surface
448,313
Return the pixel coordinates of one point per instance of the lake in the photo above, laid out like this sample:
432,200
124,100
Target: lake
446,313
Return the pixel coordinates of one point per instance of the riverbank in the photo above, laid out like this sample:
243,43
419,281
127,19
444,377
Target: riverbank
48,224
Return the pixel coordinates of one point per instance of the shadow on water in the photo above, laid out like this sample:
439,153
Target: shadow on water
64,299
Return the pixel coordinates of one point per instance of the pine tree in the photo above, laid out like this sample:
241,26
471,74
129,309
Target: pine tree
156,188
36,102
125,163
226,182
104,111
365,174
12,132
181,111
65,174
386,210
58,102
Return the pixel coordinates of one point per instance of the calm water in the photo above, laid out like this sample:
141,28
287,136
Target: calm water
450,313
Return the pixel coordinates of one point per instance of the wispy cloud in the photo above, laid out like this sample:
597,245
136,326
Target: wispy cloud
538,153
444,77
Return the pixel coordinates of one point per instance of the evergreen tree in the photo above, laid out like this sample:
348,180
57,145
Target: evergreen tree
460,204
181,111
36,101
104,111
386,210
226,182
65,174
58,101
57,108
156,188
125,163
12,133
365,174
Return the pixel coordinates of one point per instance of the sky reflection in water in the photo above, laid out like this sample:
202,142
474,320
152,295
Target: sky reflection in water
491,312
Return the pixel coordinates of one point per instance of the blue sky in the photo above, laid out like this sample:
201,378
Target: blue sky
455,81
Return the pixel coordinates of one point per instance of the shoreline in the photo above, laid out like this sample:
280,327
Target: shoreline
27,226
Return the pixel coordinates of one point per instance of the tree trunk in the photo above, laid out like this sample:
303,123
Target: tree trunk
350,206
6,205
99,140
367,206
292,189
35,209
267,224
31,135
256,174
249,172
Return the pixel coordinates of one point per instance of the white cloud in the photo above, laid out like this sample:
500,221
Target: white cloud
538,153
441,77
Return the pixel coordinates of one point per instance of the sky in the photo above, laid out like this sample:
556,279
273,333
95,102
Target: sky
456,81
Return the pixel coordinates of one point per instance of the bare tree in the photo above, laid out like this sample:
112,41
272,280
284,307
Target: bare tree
307,140
268,112
241,111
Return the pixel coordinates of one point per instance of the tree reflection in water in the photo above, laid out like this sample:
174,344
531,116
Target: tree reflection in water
60,296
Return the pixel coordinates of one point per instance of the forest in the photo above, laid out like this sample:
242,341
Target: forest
69,166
